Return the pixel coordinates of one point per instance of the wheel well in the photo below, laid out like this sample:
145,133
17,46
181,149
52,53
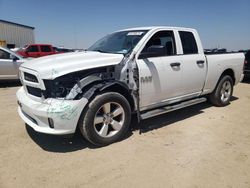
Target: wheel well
229,72
124,92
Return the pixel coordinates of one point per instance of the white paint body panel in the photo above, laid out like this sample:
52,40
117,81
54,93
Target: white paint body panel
53,66
65,113
218,63
193,75
166,81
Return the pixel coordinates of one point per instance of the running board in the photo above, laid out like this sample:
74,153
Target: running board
171,108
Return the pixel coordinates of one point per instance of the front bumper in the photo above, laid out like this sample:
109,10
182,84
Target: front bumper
64,113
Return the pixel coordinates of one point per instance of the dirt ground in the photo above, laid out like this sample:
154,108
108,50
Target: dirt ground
200,146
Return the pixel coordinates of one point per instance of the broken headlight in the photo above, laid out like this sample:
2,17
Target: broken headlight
59,87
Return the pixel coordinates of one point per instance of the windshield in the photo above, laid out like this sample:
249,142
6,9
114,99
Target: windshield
120,42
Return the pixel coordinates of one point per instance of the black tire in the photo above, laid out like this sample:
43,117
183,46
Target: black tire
216,97
95,132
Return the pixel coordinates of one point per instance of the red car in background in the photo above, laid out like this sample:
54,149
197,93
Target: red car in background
37,50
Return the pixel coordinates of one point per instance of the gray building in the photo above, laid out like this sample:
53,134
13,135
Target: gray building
15,35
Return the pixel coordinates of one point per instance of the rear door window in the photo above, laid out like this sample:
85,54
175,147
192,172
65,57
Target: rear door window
45,49
188,42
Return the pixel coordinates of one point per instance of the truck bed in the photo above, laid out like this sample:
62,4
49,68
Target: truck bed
219,62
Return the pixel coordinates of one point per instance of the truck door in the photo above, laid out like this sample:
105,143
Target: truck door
193,65
159,70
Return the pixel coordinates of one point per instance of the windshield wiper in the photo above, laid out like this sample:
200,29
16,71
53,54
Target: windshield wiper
101,51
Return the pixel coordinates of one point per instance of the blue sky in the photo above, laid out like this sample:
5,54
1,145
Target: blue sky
79,23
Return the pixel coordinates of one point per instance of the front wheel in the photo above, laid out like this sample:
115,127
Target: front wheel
223,92
106,120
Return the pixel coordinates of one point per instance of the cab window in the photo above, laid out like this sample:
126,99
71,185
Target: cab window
161,43
188,42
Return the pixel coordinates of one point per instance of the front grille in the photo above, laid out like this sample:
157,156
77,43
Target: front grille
34,91
30,77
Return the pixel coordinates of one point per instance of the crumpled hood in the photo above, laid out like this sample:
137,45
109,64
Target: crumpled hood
53,66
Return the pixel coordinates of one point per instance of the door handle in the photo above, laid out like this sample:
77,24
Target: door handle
200,62
175,64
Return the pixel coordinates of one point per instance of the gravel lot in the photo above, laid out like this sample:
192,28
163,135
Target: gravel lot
200,146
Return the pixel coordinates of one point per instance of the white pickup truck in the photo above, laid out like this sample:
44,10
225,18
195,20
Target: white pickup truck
147,71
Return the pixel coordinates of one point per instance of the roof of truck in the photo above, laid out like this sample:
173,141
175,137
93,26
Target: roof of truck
157,27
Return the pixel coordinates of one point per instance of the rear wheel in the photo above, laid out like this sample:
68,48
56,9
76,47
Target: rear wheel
223,92
106,120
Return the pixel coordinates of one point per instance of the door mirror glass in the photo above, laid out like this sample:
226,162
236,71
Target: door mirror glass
156,49
153,51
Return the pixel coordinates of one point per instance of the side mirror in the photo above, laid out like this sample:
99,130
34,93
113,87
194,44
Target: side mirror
156,49
13,57
153,51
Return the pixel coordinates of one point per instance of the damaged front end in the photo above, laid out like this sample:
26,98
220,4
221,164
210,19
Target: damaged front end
54,106
57,88
70,86
122,78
